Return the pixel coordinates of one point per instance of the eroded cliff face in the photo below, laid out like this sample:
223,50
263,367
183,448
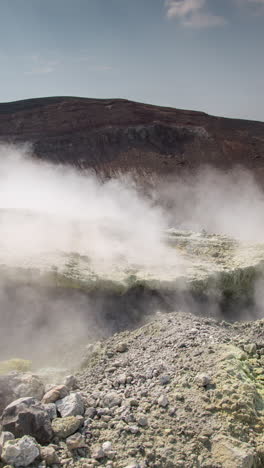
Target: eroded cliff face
114,136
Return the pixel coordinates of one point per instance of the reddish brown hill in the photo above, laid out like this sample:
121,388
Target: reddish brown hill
112,135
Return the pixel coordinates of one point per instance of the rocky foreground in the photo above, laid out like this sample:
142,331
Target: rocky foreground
181,391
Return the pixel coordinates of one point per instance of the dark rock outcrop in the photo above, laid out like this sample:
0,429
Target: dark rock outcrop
116,135
27,416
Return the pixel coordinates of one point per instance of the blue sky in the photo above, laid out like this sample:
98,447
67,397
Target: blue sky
194,54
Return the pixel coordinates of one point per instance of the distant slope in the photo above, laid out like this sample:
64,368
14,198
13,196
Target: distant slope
113,135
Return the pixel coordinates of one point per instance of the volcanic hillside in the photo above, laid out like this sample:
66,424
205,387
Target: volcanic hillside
117,135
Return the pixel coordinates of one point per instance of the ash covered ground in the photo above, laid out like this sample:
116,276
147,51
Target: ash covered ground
131,328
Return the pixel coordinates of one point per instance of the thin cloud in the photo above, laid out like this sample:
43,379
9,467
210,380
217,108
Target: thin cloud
193,13
198,14
183,8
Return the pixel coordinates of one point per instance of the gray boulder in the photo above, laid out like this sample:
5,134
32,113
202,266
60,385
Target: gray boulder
71,405
27,416
4,437
64,427
20,452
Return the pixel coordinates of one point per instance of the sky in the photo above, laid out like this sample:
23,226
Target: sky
203,55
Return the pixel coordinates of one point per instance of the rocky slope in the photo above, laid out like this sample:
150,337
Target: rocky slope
180,391
173,390
115,135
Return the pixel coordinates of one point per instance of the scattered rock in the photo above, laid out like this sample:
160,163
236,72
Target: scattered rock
142,421
133,465
75,441
164,379
202,380
64,427
121,347
133,429
90,412
20,452
107,447
112,399
163,401
173,425
71,405
55,393
232,453
250,348
163,414
4,437
122,379
49,455
98,453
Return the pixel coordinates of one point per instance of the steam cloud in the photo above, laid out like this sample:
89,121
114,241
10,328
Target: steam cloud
47,209
224,203
75,212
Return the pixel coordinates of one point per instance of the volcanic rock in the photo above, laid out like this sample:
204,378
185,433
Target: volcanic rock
27,416
64,427
209,413
49,455
233,454
71,405
4,437
51,410
75,441
20,452
117,135
55,393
